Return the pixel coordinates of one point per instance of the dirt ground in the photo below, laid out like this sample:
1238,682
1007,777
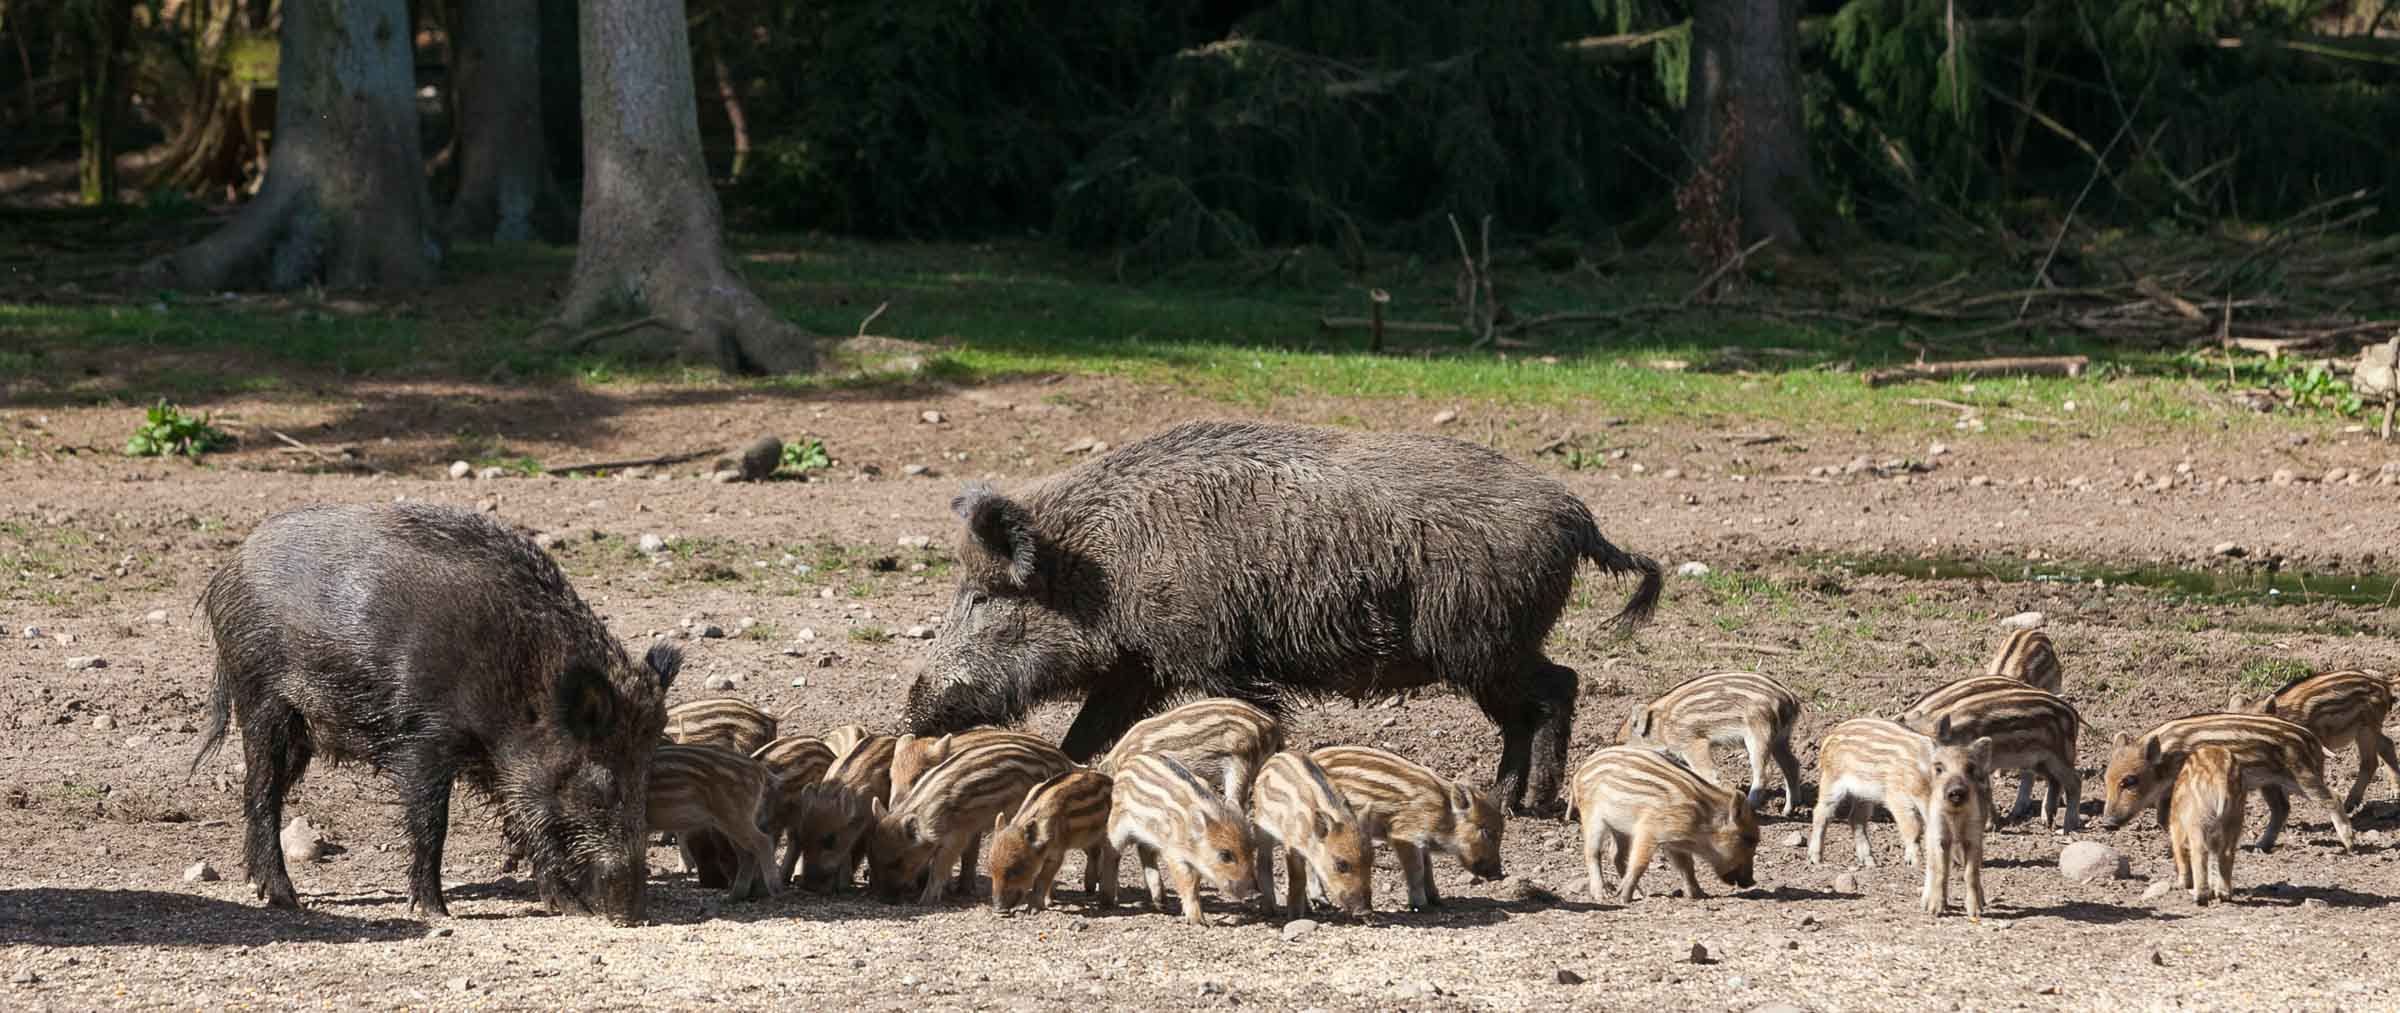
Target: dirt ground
106,556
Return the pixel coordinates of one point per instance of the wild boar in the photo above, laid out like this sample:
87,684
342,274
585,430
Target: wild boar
435,644
1265,561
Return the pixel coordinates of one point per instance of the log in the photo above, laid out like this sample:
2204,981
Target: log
2040,365
1403,326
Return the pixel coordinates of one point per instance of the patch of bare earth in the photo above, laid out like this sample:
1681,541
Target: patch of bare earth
106,556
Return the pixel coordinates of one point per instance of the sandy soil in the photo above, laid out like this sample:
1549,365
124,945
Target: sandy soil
99,823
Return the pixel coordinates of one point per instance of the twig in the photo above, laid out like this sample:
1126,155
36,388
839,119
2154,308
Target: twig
587,338
344,460
1730,263
1935,402
2040,365
879,308
1728,645
1402,326
646,462
2099,165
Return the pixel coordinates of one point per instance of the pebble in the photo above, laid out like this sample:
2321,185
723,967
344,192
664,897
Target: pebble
745,623
200,872
798,681
908,980
711,631
1298,928
1699,954
914,470
155,617
2158,889
1671,473
2313,903
2091,861
2231,550
2283,476
762,457
1212,987
461,469
1980,481
302,841
85,662
2157,959
104,723
1567,977
490,472
931,417
1778,1007
725,477
1737,981
460,983
1081,444
1445,417
1694,568
2024,621
32,633
915,541
1846,883
1937,450
1795,839
807,634
720,682
25,976
918,633
650,544
440,932
1529,891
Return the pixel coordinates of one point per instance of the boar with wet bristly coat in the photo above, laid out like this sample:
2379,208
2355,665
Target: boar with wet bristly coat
436,645
1262,561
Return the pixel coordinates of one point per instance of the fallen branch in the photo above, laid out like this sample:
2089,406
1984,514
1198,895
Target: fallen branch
1404,326
879,308
1730,263
1728,645
646,462
345,460
2040,365
588,338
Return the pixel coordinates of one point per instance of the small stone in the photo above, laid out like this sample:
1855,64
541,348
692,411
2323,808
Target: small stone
915,541
1567,977
745,624
711,631
726,476
104,723
1212,987
461,469
1671,473
1694,568
2158,889
2336,475
440,932
32,633
460,983
858,963
1297,928
650,544
2313,903
918,633
155,617
2091,861
914,470
761,458
1778,1007
1937,450
909,980
200,872
86,663
1846,883
2024,621
2230,550
807,634
1081,444
1795,839
1737,981
799,681
1808,923
1791,944
302,841
825,593
2283,476
1445,417
1699,954
930,417
2157,959
491,471
1527,891
25,976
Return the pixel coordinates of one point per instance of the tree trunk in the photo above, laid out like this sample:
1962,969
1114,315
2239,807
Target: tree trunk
103,29
505,191
344,203
652,234
562,95
1746,56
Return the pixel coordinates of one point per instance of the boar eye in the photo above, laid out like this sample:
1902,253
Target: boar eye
1341,865
2130,781
828,845
1225,856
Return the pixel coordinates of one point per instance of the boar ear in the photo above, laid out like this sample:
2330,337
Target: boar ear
586,705
875,808
2150,751
1324,827
1941,729
1461,799
665,660
999,823
1002,527
1980,754
2122,740
1641,723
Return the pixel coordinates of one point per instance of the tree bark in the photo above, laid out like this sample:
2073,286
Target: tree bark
102,30
652,233
505,191
1746,56
345,203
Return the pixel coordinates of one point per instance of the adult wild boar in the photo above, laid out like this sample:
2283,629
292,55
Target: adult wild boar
435,644
1262,561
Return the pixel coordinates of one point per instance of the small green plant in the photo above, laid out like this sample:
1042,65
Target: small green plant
870,634
2268,675
804,456
2317,388
167,430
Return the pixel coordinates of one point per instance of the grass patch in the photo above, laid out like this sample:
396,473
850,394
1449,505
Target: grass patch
2266,675
1735,589
870,634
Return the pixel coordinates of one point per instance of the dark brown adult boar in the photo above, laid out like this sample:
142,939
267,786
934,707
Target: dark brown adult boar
1263,561
436,645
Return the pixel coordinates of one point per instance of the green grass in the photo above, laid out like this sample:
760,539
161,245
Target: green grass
870,634
1022,308
2269,674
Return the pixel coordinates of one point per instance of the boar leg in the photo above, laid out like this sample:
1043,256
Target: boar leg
964,885
275,751
2279,806
2311,782
2383,748
1936,894
1150,877
1781,748
1100,864
1691,877
1295,889
1633,858
1187,889
2366,773
1413,868
426,792
1592,835
1045,879
2224,883
1433,890
2066,795
1911,822
1827,801
1121,697
1262,867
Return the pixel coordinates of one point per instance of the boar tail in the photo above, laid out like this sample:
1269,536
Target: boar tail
1615,560
221,589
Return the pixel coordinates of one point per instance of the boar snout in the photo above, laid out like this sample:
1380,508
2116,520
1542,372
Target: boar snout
1743,876
1486,870
1957,795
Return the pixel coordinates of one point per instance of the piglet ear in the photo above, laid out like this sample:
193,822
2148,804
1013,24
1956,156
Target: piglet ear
664,660
1980,754
1641,723
1461,800
1324,826
1941,730
585,704
1001,526
2151,751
